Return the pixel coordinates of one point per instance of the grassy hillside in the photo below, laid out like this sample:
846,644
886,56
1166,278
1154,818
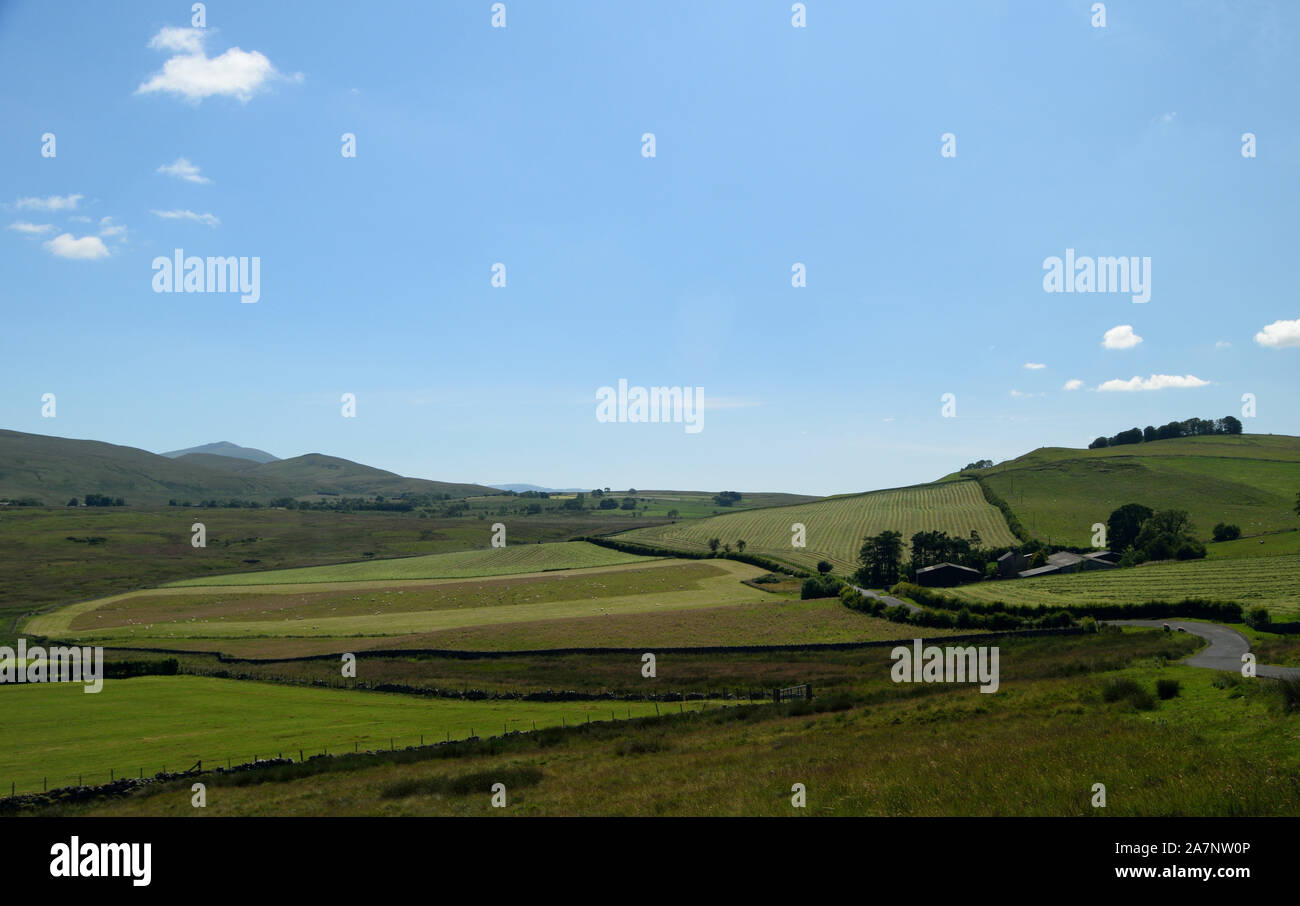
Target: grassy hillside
56,556
386,612
505,561
217,461
836,526
1250,480
56,731
865,746
1272,581
55,469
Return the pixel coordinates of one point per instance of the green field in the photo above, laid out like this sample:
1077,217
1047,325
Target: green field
1273,582
52,556
649,504
1271,545
868,746
837,526
56,731
390,611
505,561
1250,480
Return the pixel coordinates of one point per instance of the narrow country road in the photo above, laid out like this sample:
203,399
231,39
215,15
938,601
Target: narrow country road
1225,649
892,602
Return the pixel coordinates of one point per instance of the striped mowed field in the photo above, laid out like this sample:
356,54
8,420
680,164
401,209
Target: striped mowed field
836,527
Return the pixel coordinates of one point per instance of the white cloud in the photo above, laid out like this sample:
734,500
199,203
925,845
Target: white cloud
1121,337
185,40
1035,366
1072,384
1023,396
51,203
183,169
1279,334
1222,344
1154,382
193,75
79,218
85,248
32,229
108,228
209,219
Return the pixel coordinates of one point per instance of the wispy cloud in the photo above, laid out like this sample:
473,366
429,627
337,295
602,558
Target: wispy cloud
1280,334
1073,384
183,169
108,228
1154,382
193,75
184,40
87,248
51,203
208,219
31,229
1035,366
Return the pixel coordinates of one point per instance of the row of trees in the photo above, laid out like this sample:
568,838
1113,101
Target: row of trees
715,543
881,556
1192,427
98,500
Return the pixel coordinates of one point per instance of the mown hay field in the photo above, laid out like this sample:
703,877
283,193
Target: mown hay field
1273,582
386,610
503,561
837,527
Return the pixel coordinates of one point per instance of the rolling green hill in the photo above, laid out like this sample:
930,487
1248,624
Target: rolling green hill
836,526
55,469
217,461
1248,479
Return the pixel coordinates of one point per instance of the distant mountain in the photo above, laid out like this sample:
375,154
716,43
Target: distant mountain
55,469
520,488
225,448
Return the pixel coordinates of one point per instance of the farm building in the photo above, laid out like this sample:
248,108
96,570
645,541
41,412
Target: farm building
1040,571
1065,561
1100,560
1011,563
945,575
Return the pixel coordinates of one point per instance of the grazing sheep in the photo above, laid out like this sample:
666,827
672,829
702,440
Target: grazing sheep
1167,627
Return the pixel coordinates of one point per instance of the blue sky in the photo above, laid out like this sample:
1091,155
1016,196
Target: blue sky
523,145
